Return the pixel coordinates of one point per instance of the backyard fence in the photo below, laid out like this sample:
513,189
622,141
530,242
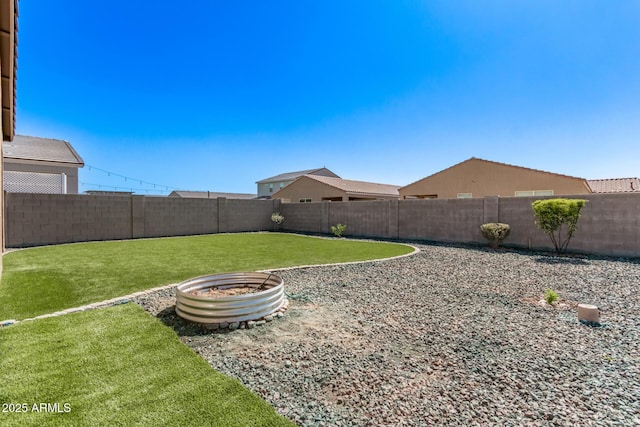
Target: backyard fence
610,223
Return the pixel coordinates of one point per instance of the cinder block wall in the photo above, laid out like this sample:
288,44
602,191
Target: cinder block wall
179,217
364,218
610,223
446,220
303,217
43,219
246,215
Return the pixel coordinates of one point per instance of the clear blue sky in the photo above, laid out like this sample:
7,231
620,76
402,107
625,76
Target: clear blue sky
210,95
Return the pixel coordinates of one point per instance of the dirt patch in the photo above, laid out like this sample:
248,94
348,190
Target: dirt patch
304,323
561,304
227,292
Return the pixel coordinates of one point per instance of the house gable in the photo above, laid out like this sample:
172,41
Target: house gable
311,188
32,164
480,178
268,186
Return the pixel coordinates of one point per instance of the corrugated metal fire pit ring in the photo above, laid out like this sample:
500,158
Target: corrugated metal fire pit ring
261,304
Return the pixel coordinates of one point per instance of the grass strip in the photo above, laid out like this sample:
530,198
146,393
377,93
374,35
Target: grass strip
116,366
52,278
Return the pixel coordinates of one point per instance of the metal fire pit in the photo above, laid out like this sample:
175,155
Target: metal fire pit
234,308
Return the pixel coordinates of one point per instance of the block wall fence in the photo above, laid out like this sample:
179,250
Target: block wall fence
609,225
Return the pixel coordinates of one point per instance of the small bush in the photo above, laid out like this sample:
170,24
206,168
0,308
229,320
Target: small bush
277,219
550,296
338,229
495,233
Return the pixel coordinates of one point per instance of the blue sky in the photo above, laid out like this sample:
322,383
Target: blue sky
208,95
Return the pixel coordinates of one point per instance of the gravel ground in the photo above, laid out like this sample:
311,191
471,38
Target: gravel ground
449,336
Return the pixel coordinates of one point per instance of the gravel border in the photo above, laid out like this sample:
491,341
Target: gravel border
448,336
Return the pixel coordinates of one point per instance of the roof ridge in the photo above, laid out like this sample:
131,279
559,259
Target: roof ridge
285,174
496,163
314,177
612,179
527,168
351,180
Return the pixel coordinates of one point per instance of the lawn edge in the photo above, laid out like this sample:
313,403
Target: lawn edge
128,298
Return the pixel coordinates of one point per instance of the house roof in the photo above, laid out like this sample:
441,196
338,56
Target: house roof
9,59
210,195
290,176
41,150
615,185
357,187
495,163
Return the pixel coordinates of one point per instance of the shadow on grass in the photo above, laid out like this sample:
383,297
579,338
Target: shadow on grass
185,328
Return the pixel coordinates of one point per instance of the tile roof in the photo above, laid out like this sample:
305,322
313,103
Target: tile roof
290,176
358,187
615,185
41,149
210,195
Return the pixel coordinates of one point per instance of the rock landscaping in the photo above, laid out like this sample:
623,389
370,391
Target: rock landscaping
449,336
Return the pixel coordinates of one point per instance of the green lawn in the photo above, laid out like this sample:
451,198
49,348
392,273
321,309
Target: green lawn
48,279
117,366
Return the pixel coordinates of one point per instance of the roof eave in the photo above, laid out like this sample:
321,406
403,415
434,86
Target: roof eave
9,65
17,160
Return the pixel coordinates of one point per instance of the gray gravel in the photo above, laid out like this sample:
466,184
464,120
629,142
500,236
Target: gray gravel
450,336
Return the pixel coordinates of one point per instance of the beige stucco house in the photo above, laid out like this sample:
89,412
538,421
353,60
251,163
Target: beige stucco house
479,178
312,188
8,67
268,186
40,165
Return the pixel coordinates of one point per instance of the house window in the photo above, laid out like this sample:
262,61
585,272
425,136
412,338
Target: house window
305,200
281,185
534,193
270,188
464,195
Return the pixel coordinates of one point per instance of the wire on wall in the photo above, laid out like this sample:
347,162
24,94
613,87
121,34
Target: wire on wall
137,185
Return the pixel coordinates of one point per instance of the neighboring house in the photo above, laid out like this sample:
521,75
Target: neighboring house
210,195
312,188
479,178
615,185
40,165
8,68
268,186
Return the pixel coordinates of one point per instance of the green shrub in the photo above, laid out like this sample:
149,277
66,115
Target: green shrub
554,214
495,233
550,296
338,229
277,219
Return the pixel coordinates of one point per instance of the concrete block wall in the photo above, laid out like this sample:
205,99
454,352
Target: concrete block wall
238,215
365,218
610,223
446,220
178,217
303,217
43,219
